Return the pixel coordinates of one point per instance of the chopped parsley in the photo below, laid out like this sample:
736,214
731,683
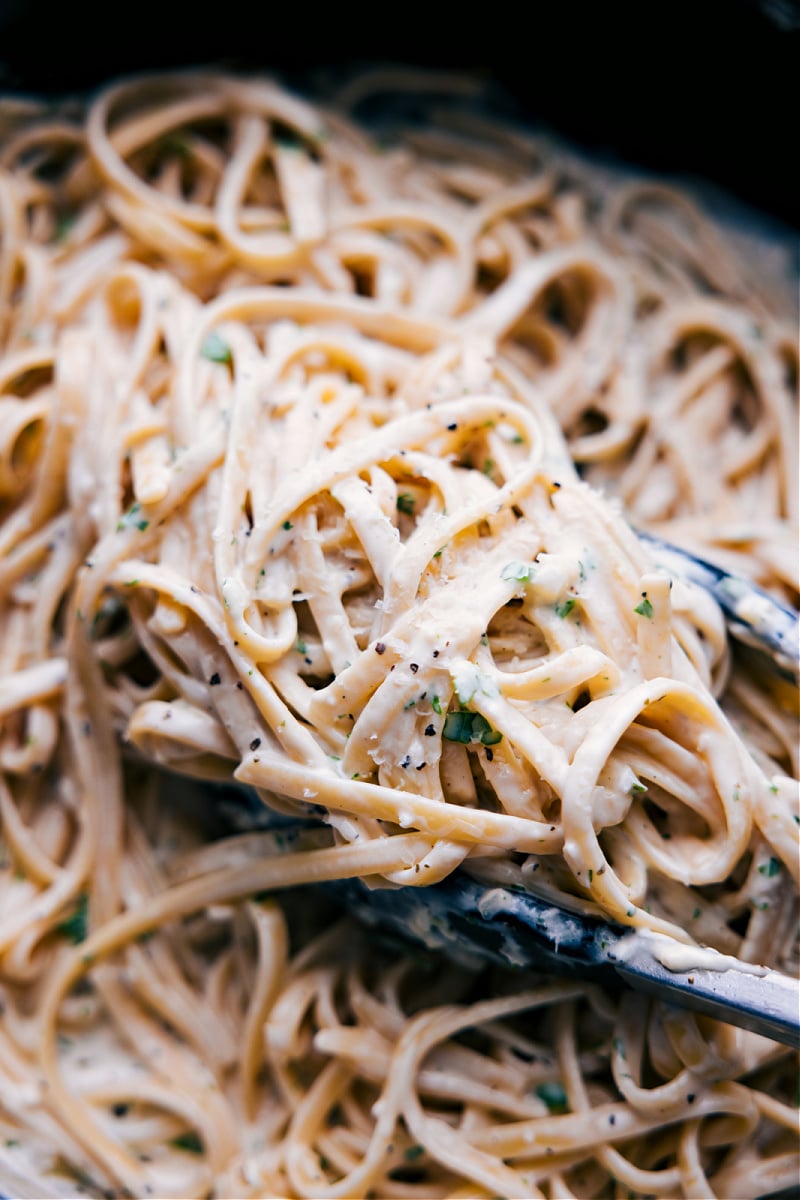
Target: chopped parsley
75,927
216,349
522,572
553,1095
132,519
562,608
189,1142
770,868
645,608
405,503
436,704
413,1152
469,728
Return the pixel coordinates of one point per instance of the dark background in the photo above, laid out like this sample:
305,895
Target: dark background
698,87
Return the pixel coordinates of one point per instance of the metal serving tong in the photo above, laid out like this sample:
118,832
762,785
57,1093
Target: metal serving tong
466,919
471,918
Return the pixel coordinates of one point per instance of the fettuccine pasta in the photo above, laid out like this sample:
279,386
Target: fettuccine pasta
321,460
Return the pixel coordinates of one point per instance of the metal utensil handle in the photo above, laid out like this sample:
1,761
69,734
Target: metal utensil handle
472,921
752,615
760,1000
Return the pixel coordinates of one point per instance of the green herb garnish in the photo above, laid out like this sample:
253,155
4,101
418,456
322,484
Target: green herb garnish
645,609
189,1142
132,519
75,927
405,503
562,608
216,349
553,1095
469,728
522,572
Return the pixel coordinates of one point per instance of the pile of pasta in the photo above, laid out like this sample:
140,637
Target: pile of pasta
320,462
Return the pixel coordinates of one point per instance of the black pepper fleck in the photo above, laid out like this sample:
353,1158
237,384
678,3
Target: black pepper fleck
215,680
413,667
380,647
430,730
256,742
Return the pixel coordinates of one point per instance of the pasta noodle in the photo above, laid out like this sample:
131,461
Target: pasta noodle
317,458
